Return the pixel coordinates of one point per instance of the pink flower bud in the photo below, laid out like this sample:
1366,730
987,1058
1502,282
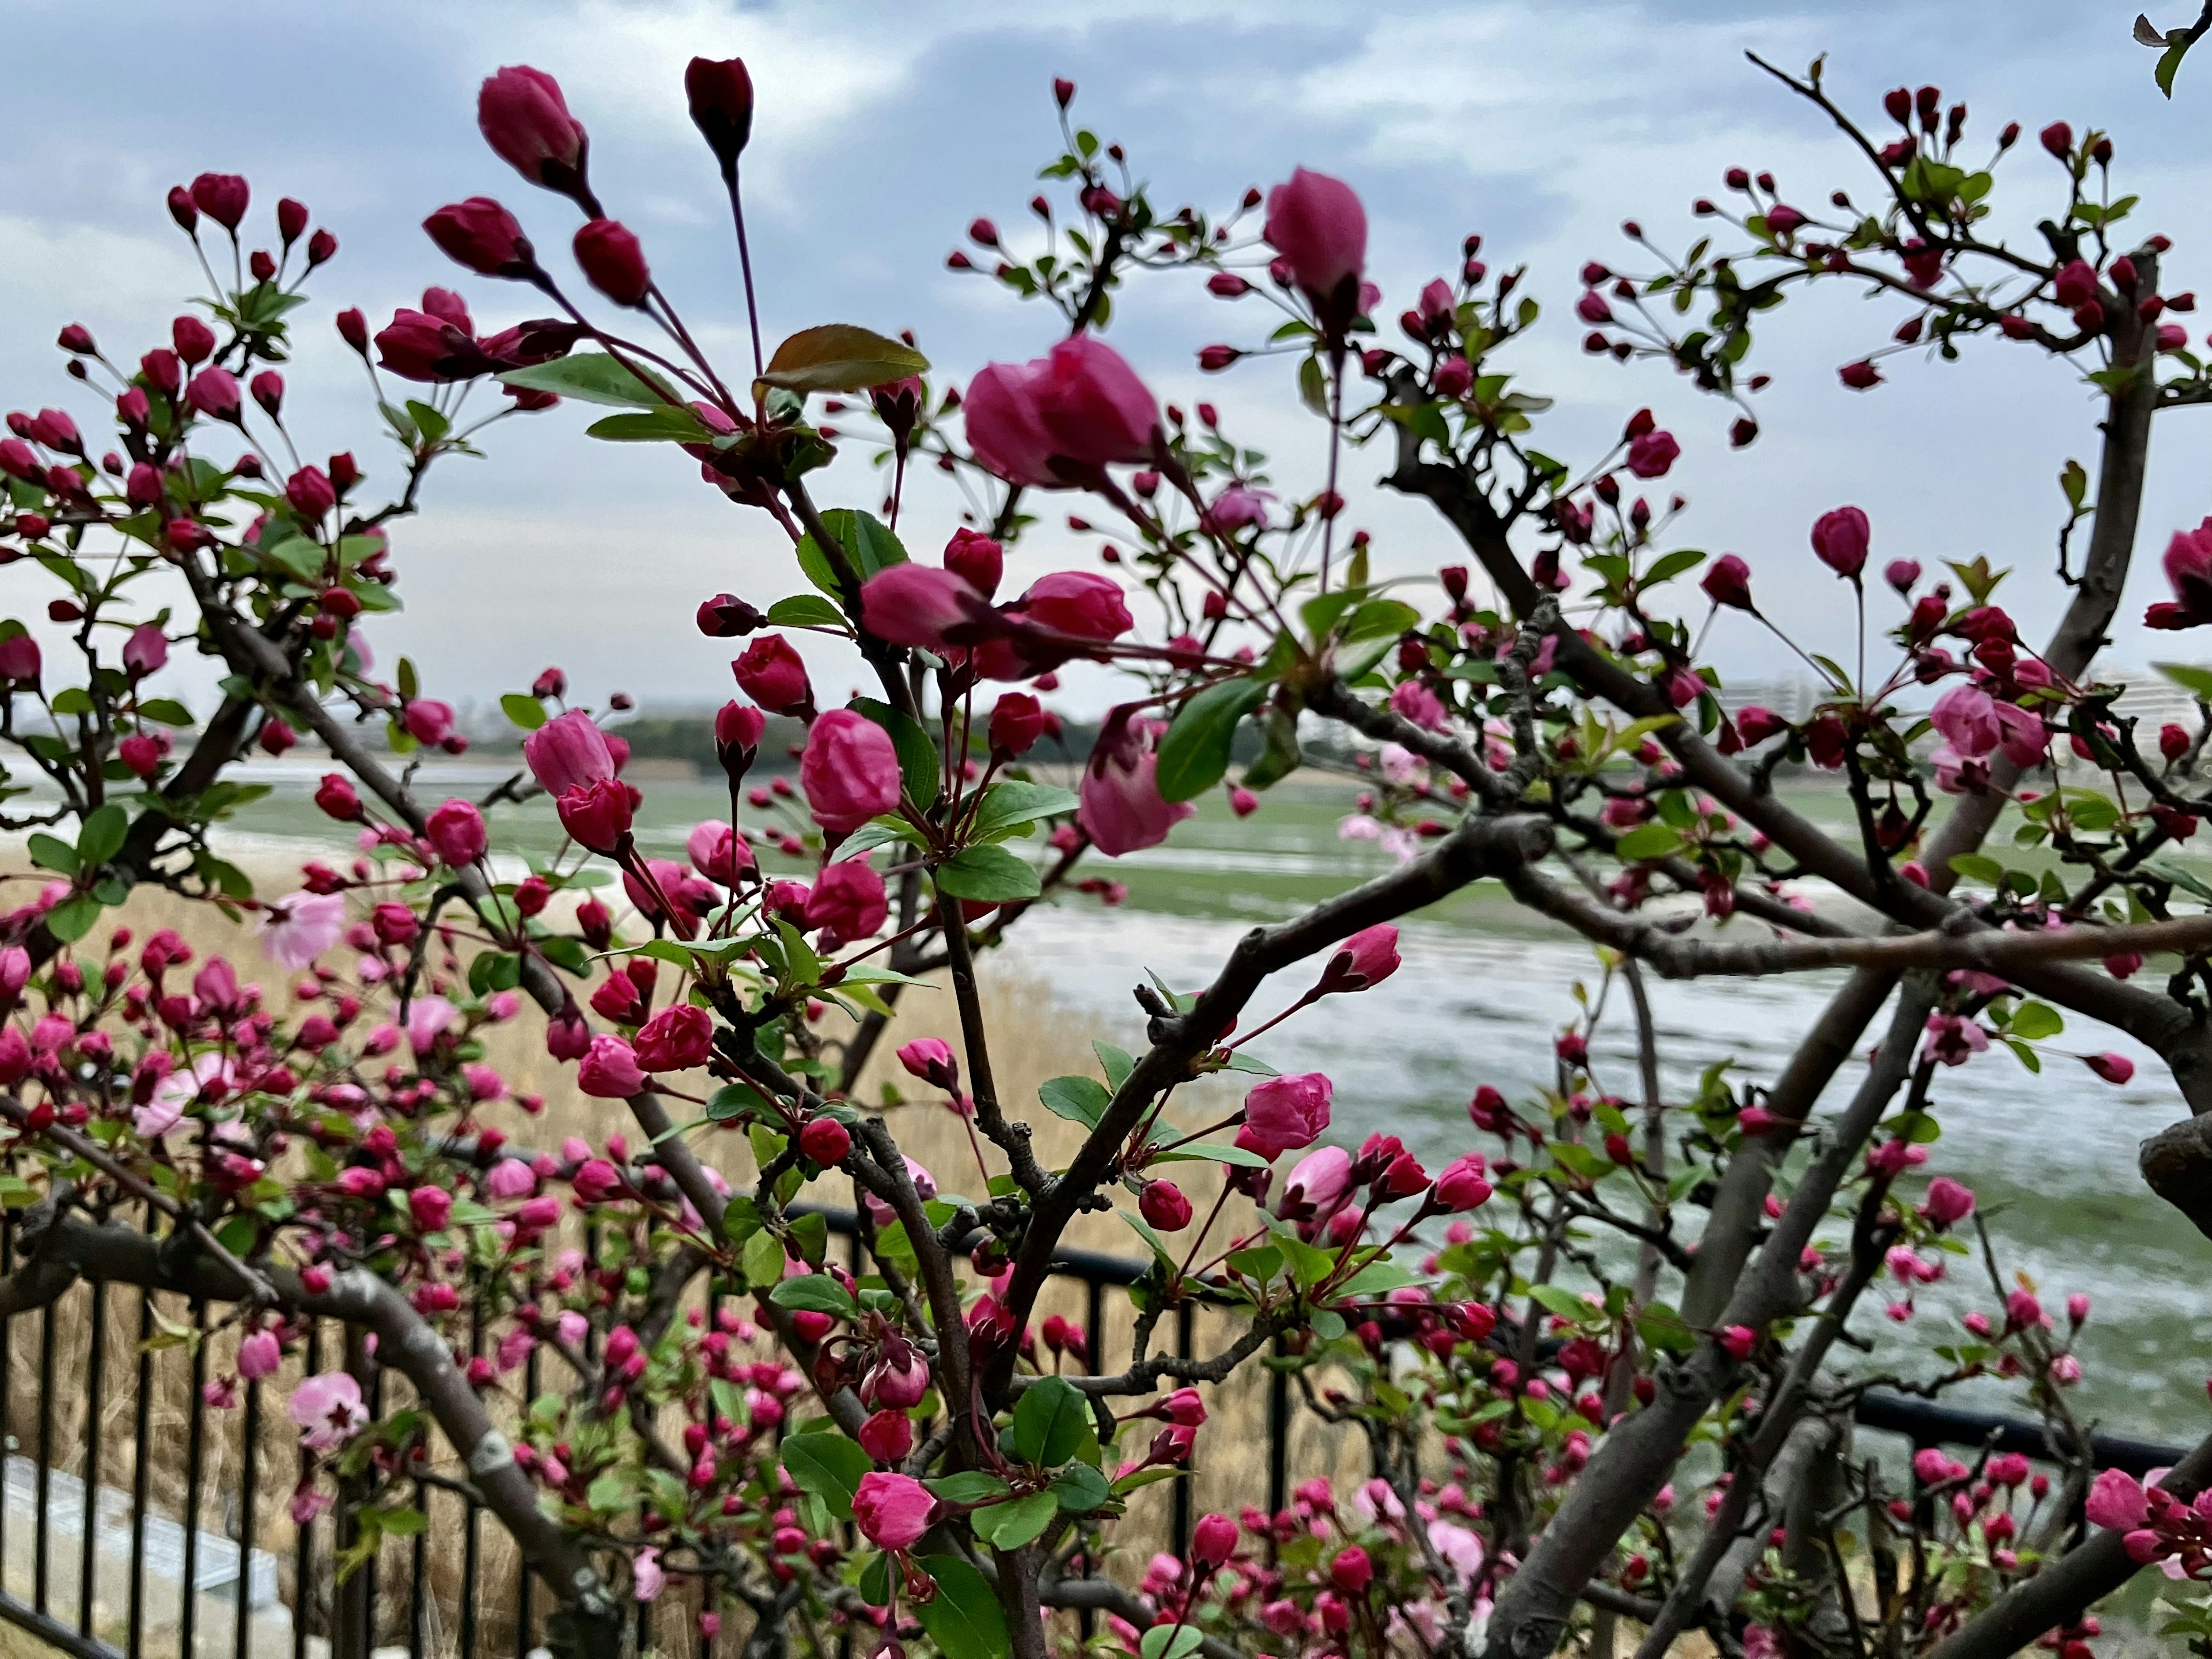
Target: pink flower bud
610,1070
892,1510
850,770
1840,538
612,259
525,119
481,234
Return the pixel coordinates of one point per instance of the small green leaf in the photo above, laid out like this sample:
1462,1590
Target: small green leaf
591,377
827,1465
1974,866
2169,61
101,836
1194,753
841,357
1117,1062
1080,1488
52,852
525,710
73,918
1050,1420
2033,1022
1649,841
805,610
1174,1641
868,545
1079,1099
165,711
963,1618
1010,1526
814,1293
968,1486
2197,682
1012,803
663,425
987,875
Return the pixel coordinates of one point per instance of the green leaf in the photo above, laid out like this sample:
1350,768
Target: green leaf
1649,841
1673,564
918,766
609,1494
52,852
1010,1526
591,377
868,543
1050,1420
2169,61
1012,803
1976,867
1079,1099
663,425
763,1258
1207,1152
165,711
1080,1488
987,875
1381,619
1117,1062
841,357
429,421
73,918
525,710
963,1618
2035,1021
805,610
829,1466
1194,753
1557,1299
72,699
101,836
1175,1641
814,1293
968,1486
2197,682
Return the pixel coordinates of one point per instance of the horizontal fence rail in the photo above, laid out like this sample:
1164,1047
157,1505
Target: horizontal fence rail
133,1524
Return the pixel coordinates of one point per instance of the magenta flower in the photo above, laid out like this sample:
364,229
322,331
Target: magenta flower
892,1510
328,1409
295,931
1285,1113
1319,226
1840,539
1049,422
850,771
1121,809
610,1070
568,753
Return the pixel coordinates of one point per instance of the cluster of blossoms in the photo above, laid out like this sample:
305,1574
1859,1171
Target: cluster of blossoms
356,1154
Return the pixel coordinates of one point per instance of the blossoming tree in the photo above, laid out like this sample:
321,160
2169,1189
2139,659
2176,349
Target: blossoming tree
1541,1411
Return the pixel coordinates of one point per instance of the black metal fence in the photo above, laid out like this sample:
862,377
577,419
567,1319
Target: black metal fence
117,1467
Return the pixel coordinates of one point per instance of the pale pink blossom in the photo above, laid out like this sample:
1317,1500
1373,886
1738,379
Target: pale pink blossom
328,1409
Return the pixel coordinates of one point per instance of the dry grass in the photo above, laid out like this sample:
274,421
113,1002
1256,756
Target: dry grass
52,1399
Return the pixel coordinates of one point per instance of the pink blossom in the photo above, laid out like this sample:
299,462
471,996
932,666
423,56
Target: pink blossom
1417,703
848,900
328,1409
1319,226
1285,1113
1840,539
427,1016
718,852
850,770
568,753
1948,1203
1121,809
1049,422
610,1070
2117,1501
892,1510
508,1178
296,930
646,1577
1966,715
259,1353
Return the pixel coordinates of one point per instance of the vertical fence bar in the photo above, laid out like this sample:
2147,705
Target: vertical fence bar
141,1470
523,1587
94,1382
470,1540
195,1430
42,1525
1185,1319
303,1568
1279,1441
419,1568
249,1477
7,1383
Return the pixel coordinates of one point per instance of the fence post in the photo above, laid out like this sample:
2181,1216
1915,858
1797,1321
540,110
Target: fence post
353,1633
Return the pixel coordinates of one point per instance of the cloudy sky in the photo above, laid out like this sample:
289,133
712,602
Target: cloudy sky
883,129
